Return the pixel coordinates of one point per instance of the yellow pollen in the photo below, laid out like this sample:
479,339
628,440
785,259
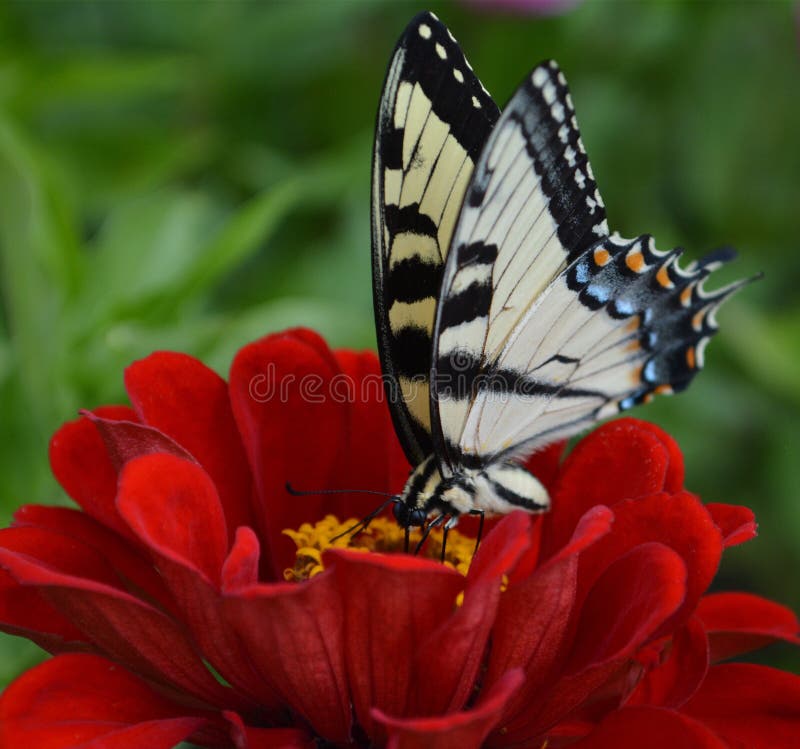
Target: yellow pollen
383,536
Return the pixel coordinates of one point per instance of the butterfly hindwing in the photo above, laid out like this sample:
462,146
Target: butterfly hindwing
433,120
622,323
546,324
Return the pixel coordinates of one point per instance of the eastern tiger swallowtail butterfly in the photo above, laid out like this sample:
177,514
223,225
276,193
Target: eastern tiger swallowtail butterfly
508,316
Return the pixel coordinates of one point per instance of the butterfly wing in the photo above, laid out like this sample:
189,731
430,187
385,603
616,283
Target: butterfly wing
531,208
545,323
433,120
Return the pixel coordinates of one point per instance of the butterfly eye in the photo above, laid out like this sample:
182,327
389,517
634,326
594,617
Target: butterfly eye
417,517
400,512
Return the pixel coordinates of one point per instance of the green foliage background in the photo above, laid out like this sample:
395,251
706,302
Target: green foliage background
192,175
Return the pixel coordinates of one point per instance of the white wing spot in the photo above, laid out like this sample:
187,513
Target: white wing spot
553,65
563,133
425,31
539,77
561,79
558,111
458,75
475,102
549,92
568,99
433,15
580,179
450,34
569,155
440,50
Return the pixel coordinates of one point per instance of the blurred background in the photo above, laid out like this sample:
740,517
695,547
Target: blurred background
190,176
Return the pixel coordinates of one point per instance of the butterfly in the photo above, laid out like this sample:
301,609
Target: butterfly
508,315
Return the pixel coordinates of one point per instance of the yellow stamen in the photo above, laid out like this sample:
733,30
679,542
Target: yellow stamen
383,535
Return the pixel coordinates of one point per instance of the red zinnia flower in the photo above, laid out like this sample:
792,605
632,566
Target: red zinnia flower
164,603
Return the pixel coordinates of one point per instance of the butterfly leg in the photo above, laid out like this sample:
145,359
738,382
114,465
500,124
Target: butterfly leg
436,521
482,515
451,523
363,524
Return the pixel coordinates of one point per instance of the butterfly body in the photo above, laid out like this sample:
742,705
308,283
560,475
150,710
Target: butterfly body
508,315
496,488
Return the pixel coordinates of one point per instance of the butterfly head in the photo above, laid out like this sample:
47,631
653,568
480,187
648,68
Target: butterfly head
409,516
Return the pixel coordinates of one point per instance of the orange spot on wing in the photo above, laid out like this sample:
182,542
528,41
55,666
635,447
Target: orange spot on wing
690,358
601,256
664,390
697,320
686,296
632,325
663,277
635,261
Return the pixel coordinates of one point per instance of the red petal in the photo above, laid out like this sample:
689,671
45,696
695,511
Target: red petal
391,604
463,730
754,705
737,523
546,464
673,481
620,460
446,675
126,629
632,598
534,616
294,637
679,522
126,440
87,701
172,506
25,613
740,622
677,678
80,462
241,567
129,562
370,456
628,603
654,728
186,400
247,737
291,430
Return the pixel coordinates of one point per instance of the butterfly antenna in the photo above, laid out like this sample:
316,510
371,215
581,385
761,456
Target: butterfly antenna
301,493
436,521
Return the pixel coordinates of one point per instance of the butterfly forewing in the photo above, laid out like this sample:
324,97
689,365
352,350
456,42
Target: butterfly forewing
433,120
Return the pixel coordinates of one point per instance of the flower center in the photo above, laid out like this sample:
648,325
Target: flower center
382,535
